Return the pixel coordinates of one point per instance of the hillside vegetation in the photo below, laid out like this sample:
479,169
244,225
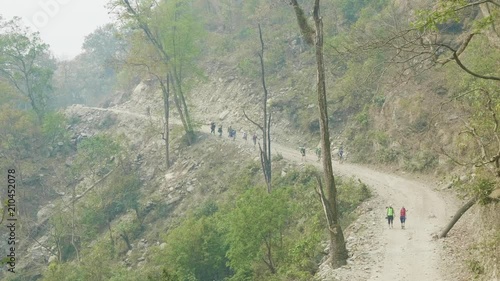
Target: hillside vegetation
120,180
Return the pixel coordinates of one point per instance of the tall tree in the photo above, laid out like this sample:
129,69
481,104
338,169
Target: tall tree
169,27
142,56
265,150
26,63
338,251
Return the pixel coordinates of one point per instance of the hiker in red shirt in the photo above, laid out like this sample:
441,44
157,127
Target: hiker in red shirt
402,217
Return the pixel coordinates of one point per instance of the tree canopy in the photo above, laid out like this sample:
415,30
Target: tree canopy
26,63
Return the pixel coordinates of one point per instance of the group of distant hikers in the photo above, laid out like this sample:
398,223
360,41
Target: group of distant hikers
231,132
340,153
390,216
341,156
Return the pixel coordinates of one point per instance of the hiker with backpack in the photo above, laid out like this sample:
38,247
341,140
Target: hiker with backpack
302,150
402,217
341,154
212,128
390,215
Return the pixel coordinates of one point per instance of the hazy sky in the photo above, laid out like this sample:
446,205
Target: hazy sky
63,24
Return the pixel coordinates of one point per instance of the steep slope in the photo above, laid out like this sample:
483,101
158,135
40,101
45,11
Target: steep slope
387,254
377,252
381,253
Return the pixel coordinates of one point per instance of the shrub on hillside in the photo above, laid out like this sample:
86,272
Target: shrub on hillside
421,161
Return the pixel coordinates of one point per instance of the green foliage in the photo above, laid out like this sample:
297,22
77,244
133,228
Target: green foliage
355,97
249,68
246,33
61,235
258,219
25,62
91,219
363,118
379,101
208,209
97,264
54,132
420,161
181,34
130,229
19,132
475,267
274,60
64,272
122,194
351,193
95,154
351,9
195,250
303,256
387,155
478,100
167,45
481,186
362,144
444,11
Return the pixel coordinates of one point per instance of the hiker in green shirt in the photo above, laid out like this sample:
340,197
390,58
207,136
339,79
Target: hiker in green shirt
390,215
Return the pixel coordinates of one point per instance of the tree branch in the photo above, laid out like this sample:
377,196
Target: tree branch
457,60
253,122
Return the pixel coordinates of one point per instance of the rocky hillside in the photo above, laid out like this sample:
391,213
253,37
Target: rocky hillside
105,207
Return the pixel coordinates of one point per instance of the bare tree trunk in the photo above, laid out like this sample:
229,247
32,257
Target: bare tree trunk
73,224
179,106
185,109
457,216
266,140
177,70
269,262
265,150
338,251
166,112
179,99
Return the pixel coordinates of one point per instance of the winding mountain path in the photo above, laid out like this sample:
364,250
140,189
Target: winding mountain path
405,255
391,254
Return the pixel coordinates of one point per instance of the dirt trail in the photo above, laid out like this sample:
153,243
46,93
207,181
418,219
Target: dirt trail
404,255
396,254
84,109
410,254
